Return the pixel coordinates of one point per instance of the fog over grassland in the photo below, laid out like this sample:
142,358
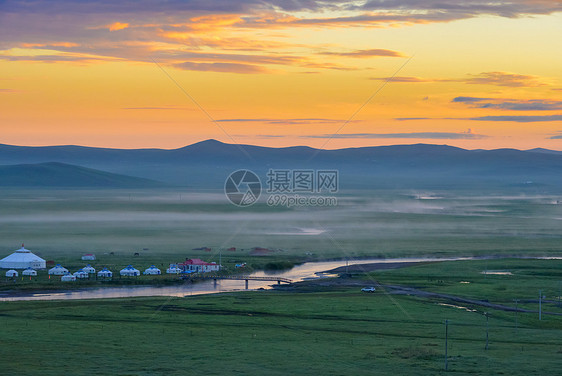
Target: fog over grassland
379,223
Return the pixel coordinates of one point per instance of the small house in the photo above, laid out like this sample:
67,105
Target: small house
199,266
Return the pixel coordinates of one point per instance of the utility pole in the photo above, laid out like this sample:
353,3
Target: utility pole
446,340
540,305
487,327
559,292
516,310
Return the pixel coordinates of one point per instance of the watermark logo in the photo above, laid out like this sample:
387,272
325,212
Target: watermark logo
302,181
286,187
243,188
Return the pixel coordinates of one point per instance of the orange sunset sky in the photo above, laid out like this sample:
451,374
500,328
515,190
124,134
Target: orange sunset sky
332,74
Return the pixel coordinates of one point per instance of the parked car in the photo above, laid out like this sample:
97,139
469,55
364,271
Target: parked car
368,289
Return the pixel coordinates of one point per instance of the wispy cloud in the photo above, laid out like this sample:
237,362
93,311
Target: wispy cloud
376,52
416,135
408,79
505,79
484,78
156,108
556,137
511,104
520,119
289,121
138,29
411,118
222,67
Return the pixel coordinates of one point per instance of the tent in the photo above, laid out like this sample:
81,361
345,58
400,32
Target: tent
130,271
81,274
173,269
153,270
58,270
68,278
12,273
22,259
29,271
88,257
89,269
105,273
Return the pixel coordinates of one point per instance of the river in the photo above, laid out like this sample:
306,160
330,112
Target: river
306,271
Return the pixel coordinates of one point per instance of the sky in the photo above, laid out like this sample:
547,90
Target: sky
328,74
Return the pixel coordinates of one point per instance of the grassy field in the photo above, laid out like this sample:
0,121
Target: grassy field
331,331
166,225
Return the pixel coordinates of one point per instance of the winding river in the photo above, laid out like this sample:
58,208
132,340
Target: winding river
306,271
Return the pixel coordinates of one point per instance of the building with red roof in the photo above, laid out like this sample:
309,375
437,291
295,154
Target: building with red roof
199,266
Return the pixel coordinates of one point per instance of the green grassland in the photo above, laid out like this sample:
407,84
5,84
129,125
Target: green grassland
327,331
165,225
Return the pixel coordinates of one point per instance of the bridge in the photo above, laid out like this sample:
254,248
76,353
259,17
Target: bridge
245,278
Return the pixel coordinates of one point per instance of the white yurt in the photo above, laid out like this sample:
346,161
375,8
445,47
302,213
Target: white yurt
153,270
81,274
105,273
29,271
68,278
89,269
130,271
58,270
89,257
22,259
12,273
173,269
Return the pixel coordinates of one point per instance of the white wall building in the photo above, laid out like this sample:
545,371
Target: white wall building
22,259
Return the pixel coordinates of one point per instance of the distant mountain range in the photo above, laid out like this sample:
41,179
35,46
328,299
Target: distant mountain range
55,174
207,164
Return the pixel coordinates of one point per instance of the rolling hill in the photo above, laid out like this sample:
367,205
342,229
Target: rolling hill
55,174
